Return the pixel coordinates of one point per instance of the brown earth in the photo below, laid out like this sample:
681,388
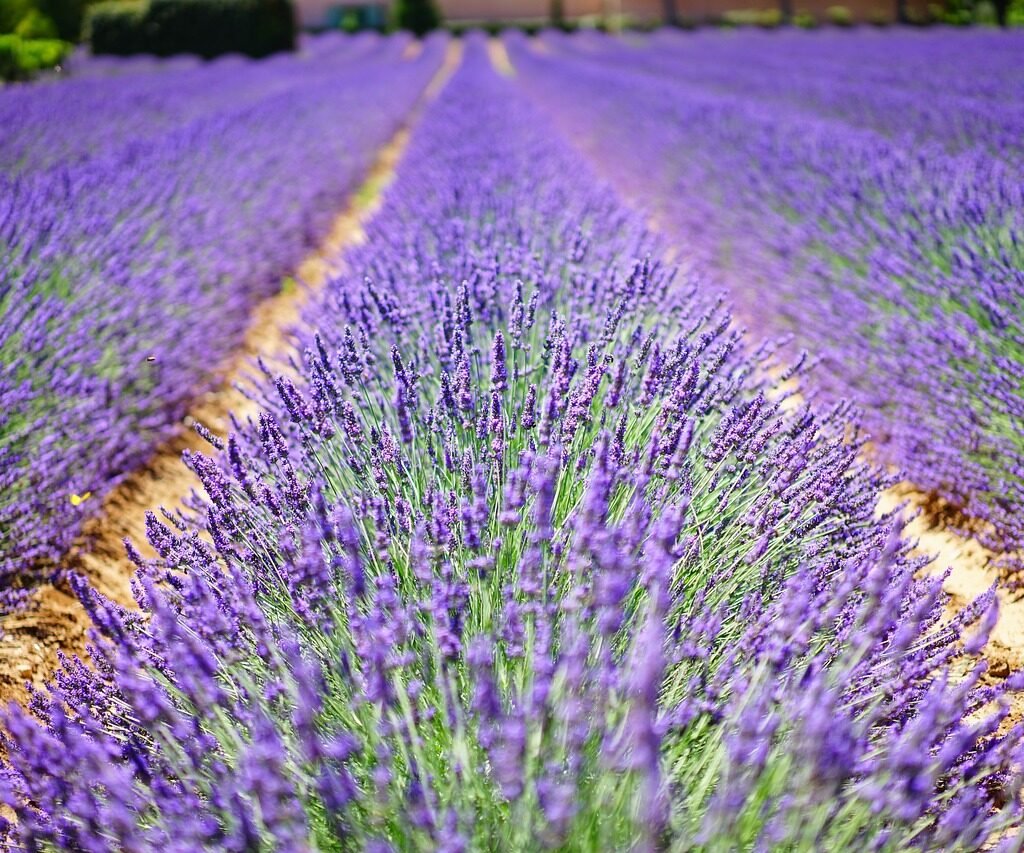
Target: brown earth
973,571
499,57
54,620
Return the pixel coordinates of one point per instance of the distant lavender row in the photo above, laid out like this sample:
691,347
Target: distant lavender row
962,90
529,556
888,240
155,97
128,272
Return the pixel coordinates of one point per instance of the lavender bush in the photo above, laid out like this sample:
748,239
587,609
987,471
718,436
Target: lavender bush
135,235
870,210
525,552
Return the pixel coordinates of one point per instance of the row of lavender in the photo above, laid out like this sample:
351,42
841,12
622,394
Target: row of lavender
527,553
142,214
110,103
872,211
960,89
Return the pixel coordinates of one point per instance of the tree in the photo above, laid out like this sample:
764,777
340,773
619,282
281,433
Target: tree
669,12
67,15
418,16
557,13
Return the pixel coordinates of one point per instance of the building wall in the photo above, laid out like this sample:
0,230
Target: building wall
313,13
653,10
494,10
511,10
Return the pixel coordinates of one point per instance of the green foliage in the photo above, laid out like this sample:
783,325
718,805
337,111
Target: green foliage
955,13
417,16
214,27
116,28
205,27
766,18
805,21
349,22
43,19
67,15
985,13
839,16
1015,14
12,12
21,58
35,25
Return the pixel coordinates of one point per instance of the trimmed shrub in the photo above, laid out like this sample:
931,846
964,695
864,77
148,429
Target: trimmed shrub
805,21
21,58
984,13
116,28
214,27
765,18
208,28
839,16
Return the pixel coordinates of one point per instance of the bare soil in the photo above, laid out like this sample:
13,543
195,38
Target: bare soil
54,621
499,57
973,570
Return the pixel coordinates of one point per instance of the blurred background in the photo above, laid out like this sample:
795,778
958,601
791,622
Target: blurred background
38,35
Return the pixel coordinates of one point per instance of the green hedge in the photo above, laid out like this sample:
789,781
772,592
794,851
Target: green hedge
21,58
768,19
205,27
116,28
839,16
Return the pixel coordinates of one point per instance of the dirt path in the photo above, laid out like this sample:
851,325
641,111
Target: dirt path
54,620
498,54
973,571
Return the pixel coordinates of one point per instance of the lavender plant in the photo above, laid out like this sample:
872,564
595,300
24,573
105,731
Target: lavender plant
525,552
137,232
879,225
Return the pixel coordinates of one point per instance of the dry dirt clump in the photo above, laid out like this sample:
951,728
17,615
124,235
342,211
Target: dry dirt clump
973,570
54,621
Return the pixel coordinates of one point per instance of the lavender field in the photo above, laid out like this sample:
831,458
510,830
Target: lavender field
863,195
557,524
